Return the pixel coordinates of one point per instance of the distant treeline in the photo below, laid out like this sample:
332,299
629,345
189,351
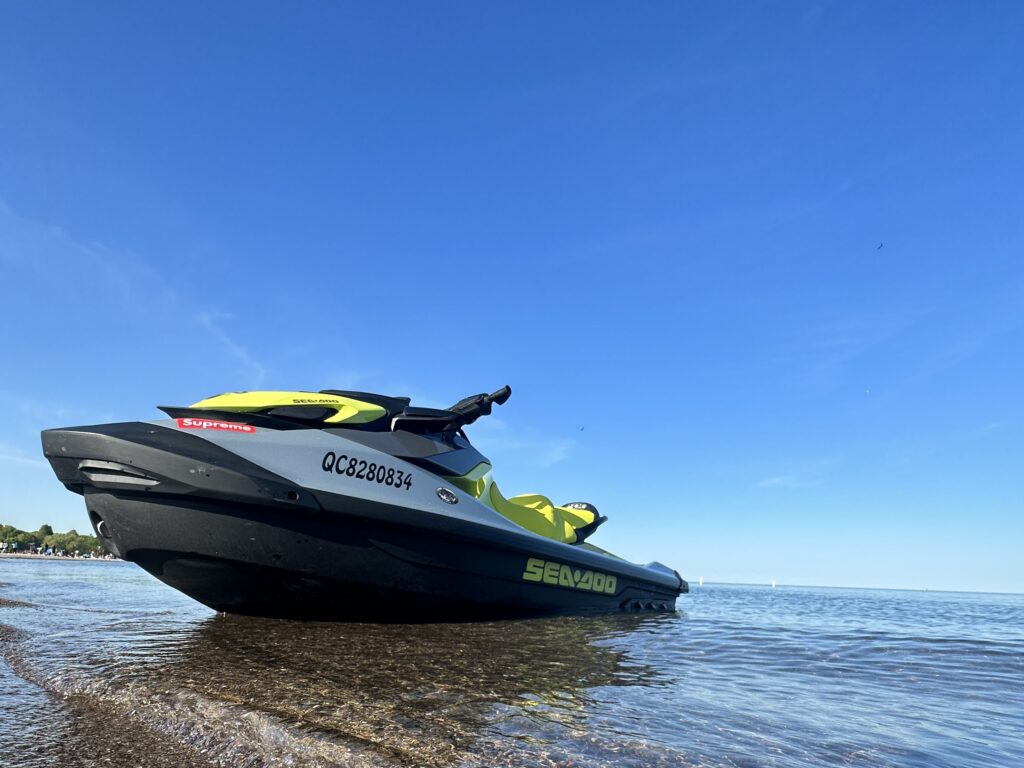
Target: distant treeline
45,538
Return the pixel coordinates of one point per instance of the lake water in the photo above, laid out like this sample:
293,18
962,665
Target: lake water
100,664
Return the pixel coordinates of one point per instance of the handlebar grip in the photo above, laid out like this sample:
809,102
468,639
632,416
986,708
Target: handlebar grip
501,395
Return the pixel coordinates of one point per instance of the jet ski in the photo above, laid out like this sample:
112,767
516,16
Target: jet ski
341,505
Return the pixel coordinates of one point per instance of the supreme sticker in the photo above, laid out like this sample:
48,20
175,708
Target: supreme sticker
227,426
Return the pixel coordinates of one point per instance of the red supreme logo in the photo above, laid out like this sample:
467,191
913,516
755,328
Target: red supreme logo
227,426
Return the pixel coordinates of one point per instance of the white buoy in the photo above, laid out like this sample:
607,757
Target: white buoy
773,583
700,582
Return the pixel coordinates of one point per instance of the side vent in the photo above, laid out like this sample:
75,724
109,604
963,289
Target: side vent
111,474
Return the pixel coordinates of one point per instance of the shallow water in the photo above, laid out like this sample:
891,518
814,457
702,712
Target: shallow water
103,665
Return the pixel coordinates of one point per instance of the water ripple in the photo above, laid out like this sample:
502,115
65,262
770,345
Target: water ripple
742,676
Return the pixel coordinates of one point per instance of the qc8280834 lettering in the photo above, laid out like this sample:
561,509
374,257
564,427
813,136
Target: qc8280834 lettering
370,471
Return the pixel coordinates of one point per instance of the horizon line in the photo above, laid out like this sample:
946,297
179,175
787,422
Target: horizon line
840,586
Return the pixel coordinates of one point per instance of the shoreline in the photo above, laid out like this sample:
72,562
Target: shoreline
12,556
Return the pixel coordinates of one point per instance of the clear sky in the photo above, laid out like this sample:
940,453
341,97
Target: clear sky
755,271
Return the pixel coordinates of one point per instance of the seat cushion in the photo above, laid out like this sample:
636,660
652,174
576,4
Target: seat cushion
538,514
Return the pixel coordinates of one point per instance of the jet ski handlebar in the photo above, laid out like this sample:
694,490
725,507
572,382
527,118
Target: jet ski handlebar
466,411
469,409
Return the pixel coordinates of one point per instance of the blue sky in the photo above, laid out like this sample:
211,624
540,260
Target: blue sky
754,271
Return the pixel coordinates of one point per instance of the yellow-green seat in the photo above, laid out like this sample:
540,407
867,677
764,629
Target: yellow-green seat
532,511
538,514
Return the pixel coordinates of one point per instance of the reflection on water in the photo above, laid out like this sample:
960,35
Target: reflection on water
105,666
431,693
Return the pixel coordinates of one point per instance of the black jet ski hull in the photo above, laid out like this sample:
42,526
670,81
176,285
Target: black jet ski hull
258,561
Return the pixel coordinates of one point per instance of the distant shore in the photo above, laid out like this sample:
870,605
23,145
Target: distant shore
12,556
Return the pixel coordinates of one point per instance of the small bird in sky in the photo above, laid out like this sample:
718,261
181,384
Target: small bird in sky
879,246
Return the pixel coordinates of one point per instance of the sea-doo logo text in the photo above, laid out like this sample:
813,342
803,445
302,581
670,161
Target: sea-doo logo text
447,496
563,575
227,426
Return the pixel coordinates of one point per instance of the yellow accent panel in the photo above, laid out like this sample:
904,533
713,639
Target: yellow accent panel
473,482
539,515
577,518
346,409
